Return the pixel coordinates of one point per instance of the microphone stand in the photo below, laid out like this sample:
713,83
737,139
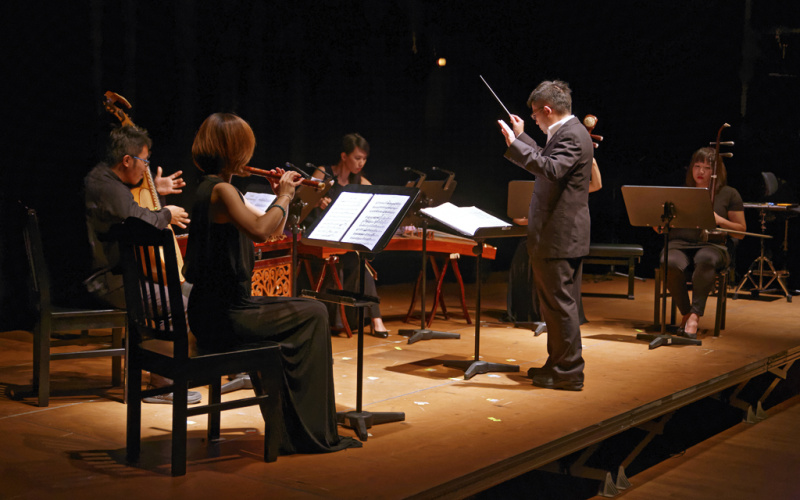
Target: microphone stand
423,333
295,209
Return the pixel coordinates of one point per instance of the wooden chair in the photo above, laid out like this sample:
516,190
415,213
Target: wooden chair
159,343
61,322
720,290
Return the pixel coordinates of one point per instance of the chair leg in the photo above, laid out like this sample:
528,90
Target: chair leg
214,418
271,408
179,406
41,362
722,299
133,427
631,277
116,361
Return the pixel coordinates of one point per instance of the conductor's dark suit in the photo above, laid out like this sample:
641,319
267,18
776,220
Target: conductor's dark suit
558,236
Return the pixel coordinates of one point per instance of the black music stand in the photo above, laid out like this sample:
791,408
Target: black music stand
668,208
480,235
363,219
434,193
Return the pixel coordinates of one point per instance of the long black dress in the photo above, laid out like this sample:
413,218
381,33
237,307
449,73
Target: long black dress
223,314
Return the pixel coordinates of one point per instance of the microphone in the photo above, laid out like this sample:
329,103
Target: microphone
435,169
450,177
422,175
324,173
301,172
723,143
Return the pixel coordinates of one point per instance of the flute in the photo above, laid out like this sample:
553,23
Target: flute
319,185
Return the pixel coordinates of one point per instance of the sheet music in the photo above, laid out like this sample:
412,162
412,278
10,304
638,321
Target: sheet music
260,200
464,219
339,216
375,219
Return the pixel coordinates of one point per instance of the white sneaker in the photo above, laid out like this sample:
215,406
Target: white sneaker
192,397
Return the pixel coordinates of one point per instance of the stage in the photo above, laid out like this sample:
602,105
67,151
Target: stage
459,438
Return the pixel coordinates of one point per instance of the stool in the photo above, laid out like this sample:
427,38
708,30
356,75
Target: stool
720,289
614,254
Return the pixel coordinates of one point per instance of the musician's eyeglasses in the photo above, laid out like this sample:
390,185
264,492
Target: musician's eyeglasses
534,111
146,162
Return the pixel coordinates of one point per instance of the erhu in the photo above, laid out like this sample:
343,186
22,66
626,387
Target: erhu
708,235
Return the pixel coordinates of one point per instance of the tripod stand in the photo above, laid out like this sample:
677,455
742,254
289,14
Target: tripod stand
433,193
757,267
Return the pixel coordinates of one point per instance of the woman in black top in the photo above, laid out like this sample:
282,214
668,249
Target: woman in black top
352,158
691,246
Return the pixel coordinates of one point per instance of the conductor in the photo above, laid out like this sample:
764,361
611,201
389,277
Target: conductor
558,224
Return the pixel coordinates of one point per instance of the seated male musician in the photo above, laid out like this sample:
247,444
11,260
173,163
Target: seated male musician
109,201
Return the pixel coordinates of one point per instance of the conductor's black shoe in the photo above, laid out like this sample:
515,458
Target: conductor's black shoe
532,372
548,382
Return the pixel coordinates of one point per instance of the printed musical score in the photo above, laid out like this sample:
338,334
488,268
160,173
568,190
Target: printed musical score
466,220
359,218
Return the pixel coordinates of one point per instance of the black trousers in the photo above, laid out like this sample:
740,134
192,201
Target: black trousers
558,285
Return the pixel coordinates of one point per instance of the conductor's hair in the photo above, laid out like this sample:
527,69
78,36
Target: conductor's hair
555,94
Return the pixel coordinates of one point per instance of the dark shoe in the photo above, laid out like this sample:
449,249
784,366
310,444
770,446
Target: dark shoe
532,372
548,382
381,334
683,333
192,397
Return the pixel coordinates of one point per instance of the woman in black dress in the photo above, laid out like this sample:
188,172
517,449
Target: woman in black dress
222,313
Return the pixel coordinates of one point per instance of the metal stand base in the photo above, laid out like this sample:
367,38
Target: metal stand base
538,327
657,340
424,334
472,368
360,421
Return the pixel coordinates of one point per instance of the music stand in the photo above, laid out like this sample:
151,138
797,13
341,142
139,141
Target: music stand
480,235
668,208
363,218
434,193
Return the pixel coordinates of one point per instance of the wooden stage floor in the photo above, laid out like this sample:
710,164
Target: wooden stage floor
459,438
